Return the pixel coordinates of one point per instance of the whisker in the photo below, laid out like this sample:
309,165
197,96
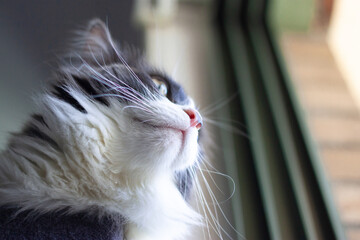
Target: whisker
222,212
214,220
138,107
113,85
100,75
227,127
115,77
201,200
218,104
115,95
130,69
124,91
217,172
230,121
213,180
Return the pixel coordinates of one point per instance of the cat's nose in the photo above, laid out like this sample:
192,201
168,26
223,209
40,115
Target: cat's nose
195,118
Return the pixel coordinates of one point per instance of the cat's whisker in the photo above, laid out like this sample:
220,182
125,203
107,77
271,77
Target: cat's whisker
213,180
107,81
112,75
214,216
226,219
218,104
201,169
126,93
201,200
129,91
212,195
213,223
214,170
136,107
227,127
198,207
128,97
129,68
87,65
230,121
204,164
120,96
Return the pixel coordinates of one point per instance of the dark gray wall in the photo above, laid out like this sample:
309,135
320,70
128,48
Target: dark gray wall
33,33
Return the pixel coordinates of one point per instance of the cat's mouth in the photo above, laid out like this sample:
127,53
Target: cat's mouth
159,126
184,132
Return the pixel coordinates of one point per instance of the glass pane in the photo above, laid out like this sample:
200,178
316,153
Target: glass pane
321,53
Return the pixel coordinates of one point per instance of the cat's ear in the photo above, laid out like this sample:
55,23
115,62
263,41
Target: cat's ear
96,41
98,35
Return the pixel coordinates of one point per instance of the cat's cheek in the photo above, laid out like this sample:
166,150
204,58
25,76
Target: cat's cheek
148,149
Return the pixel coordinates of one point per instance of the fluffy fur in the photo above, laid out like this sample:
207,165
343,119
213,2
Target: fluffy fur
106,142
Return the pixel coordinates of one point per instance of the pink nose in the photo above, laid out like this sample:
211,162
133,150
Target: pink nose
195,118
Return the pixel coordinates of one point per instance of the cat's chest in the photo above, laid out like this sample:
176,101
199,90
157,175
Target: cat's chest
162,215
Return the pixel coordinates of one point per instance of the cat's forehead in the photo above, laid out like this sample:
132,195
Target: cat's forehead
136,61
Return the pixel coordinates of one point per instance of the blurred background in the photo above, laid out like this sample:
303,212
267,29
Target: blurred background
322,55
212,48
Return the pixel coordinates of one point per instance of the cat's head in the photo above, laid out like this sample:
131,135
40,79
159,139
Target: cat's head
132,115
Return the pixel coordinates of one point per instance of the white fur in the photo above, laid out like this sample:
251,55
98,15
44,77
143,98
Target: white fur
119,159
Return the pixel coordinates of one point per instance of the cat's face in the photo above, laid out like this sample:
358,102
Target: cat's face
152,125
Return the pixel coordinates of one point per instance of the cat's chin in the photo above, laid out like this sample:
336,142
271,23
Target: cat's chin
153,141
181,147
188,151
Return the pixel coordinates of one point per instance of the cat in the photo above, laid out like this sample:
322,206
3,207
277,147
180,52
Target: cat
114,138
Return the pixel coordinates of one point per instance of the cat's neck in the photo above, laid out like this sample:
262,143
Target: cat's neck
161,214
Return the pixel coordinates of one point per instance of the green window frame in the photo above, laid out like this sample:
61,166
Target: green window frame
281,191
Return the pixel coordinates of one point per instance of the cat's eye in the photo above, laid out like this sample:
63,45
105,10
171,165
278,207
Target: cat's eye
161,86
